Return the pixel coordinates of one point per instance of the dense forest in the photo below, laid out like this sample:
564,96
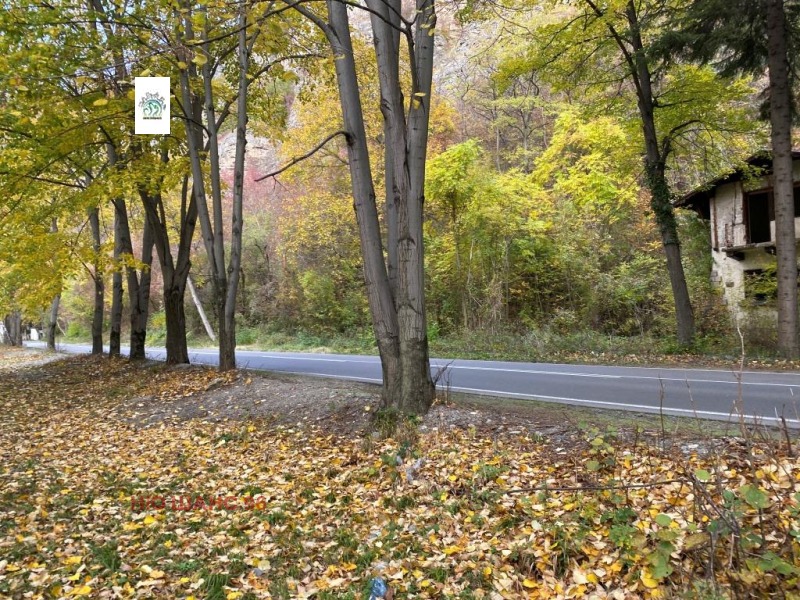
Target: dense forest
514,169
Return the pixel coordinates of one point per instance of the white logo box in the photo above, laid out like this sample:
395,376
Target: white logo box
150,95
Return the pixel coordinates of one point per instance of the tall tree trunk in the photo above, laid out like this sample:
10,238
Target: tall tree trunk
139,291
227,344
174,271
225,279
52,322
115,335
99,284
655,170
418,388
781,121
397,308
138,285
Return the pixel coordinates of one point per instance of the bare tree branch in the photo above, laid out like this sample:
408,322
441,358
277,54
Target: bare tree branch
308,154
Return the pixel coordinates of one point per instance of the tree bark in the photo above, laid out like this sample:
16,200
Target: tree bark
227,343
225,280
397,307
177,349
139,291
174,271
418,388
52,322
99,284
13,325
783,186
655,170
115,335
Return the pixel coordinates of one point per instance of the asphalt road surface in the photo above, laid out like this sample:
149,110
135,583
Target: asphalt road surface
706,393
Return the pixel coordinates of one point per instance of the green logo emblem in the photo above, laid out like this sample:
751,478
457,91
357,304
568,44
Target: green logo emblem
152,105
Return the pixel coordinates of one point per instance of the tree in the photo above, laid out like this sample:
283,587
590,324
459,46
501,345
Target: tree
606,46
395,287
780,99
76,103
241,64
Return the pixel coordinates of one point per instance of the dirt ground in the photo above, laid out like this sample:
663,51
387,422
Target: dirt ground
347,409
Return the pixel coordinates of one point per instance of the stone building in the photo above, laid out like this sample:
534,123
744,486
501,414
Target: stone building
740,210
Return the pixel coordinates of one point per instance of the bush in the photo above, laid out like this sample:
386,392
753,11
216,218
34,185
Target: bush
157,327
246,336
77,331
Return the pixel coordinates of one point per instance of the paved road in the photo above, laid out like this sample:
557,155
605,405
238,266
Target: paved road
706,393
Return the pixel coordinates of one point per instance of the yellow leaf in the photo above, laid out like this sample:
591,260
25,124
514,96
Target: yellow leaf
233,595
452,550
156,574
73,560
529,583
182,65
100,102
199,60
84,590
149,520
647,580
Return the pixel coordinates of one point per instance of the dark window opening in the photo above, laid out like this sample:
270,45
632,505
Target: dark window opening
796,202
760,210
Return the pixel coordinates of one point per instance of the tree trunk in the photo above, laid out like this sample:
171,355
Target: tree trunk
177,349
398,311
139,292
52,323
99,285
418,387
13,325
174,272
379,296
225,279
781,122
655,170
661,203
227,342
115,335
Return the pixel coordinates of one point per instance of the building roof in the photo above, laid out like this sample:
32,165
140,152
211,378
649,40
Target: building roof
700,196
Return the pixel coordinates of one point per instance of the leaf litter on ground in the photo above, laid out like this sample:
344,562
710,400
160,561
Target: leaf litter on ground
111,487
